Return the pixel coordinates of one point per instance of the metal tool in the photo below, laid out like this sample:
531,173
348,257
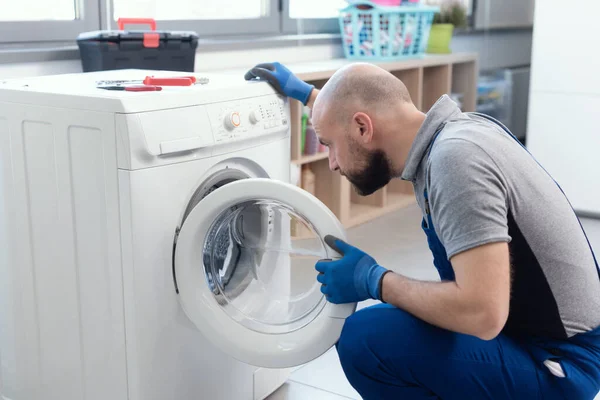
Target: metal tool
157,81
133,88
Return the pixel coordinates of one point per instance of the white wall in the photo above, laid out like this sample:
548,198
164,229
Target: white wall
564,122
209,61
40,68
496,50
247,58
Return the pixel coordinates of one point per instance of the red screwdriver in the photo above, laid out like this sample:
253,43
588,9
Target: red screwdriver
175,81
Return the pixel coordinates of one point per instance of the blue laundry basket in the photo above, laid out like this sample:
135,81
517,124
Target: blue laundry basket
380,33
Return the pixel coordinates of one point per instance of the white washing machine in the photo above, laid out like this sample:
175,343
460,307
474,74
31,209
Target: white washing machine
147,242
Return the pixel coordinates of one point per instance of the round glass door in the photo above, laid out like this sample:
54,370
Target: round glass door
261,274
245,267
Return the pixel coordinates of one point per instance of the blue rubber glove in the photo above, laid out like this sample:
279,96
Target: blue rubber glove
282,80
353,278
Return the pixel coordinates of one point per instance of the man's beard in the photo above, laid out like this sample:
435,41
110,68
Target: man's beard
374,176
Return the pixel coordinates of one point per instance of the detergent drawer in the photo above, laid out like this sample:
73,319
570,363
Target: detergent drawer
163,137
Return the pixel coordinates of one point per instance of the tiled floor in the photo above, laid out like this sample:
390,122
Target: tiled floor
395,237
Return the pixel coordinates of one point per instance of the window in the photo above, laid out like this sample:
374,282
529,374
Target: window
438,3
190,9
312,16
64,20
46,20
315,8
35,10
206,17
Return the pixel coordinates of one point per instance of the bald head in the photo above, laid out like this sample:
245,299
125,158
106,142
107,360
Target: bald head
364,86
366,118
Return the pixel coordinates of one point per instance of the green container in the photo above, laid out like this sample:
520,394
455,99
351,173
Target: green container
303,130
440,37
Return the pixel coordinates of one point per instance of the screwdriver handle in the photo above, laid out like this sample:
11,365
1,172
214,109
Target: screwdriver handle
179,81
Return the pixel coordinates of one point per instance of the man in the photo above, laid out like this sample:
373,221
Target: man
517,311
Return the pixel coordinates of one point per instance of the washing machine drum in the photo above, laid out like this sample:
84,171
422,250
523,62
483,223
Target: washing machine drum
258,273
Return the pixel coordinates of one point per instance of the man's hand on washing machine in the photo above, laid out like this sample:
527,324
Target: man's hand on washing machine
282,80
353,278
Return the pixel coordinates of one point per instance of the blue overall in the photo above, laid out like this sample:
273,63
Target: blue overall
387,353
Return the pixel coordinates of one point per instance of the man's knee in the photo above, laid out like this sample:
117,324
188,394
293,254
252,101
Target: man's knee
351,344
369,333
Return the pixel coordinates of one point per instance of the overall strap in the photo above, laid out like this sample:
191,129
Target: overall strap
426,190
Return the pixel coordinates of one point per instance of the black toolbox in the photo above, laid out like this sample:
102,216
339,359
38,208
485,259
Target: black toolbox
121,49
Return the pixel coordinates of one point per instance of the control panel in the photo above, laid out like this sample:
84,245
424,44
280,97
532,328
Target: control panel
242,119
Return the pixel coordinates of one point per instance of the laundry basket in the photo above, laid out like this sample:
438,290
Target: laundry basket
381,33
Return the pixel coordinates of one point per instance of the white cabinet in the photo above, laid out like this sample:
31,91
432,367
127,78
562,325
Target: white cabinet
564,123
564,136
565,56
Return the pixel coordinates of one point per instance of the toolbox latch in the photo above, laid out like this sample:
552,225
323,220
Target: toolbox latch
151,40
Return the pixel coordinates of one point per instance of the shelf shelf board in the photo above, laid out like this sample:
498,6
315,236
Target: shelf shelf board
396,200
302,236
302,233
361,213
308,159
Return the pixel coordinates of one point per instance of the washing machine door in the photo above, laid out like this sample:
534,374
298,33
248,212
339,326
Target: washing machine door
244,266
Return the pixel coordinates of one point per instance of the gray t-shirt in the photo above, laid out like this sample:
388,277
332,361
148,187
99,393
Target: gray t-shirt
485,187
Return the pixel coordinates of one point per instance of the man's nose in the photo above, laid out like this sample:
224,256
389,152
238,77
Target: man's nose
333,165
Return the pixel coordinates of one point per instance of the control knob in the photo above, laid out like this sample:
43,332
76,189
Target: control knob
254,117
232,120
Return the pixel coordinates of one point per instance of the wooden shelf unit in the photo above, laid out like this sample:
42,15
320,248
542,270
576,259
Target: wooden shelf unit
436,82
312,158
427,79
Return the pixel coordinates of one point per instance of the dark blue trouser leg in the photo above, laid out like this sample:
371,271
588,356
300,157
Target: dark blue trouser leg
387,353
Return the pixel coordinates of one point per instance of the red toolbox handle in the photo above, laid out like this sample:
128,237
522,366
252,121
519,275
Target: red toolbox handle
140,21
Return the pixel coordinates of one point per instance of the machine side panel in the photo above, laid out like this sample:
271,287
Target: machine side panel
9,382
63,318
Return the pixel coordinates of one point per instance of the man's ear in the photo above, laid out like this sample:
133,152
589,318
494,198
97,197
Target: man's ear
364,126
